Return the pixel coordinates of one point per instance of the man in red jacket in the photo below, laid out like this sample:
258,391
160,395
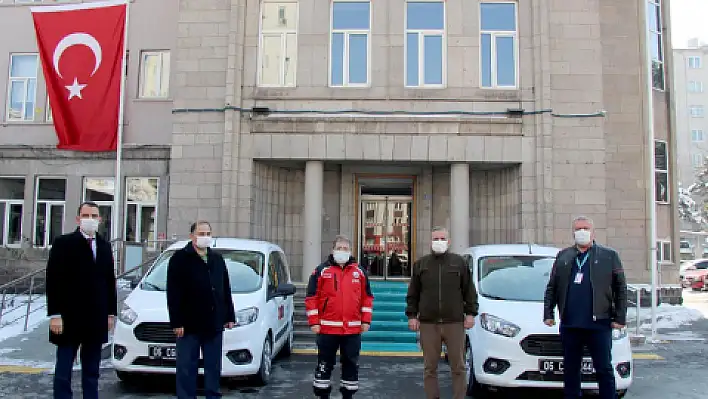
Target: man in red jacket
339,304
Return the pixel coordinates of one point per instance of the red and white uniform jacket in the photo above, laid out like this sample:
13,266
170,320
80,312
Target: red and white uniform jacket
339,298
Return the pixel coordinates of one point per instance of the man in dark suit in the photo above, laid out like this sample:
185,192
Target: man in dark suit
200,307
81,301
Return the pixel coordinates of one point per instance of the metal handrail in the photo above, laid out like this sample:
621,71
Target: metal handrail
21,279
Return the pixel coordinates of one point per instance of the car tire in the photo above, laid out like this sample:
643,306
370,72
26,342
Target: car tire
621,393
263,376
287,348
128,378
474,388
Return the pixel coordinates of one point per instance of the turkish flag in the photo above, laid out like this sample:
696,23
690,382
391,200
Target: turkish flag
82,48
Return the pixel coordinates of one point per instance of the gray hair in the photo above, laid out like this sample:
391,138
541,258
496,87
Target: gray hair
439,229
341,239
583,219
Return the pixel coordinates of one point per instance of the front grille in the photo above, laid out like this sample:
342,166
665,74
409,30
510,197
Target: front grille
538,376
546,345
160,333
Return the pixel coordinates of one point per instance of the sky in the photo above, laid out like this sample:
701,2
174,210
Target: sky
689,18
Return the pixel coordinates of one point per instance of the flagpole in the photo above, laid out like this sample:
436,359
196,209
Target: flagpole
118,191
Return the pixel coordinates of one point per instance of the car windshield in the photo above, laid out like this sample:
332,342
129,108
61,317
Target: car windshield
245,271
701,266
514,278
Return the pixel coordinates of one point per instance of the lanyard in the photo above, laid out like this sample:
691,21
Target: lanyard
581,264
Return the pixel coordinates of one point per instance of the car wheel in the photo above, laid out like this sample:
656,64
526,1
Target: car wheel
287,348
263,375
621,393
128,378
474,388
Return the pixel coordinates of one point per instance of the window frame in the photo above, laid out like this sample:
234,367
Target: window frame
660,252
696,65
8,93
150,246
695,86
283,33
697,107
493,48
697,160
663,171
695,133
345,48
141,73
4,240
660,38
101,203
48,210
422,33
48,112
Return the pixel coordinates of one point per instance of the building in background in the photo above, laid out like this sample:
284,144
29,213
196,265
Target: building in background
292,120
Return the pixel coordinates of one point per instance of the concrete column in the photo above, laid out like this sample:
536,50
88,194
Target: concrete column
459,207
312,240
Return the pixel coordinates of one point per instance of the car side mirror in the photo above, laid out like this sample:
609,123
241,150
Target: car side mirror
285,290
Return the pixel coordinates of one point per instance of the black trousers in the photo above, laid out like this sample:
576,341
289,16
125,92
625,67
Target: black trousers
599,344
188,347
90,365
349,347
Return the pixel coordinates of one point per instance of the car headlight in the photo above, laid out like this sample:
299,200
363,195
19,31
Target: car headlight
246,316
498,325
619,333
127,315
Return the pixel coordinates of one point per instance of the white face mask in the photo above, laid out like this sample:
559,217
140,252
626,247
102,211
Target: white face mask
439,247
341,257
89,226
582,237
203,242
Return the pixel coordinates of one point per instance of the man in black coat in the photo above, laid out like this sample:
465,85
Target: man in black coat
200,307
81,301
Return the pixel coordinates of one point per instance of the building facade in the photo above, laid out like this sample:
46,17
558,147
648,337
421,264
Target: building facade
295,121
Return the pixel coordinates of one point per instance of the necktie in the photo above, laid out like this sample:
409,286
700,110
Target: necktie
90,242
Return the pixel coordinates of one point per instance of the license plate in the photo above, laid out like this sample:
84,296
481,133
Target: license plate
162,352
556,366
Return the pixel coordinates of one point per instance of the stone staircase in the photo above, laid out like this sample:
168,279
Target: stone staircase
389,329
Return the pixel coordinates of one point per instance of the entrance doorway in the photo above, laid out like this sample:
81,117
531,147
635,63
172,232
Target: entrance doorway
386,226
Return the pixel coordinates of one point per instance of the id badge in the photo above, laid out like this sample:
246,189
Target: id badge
578,278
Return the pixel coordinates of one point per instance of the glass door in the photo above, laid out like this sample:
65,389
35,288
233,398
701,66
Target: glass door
385,236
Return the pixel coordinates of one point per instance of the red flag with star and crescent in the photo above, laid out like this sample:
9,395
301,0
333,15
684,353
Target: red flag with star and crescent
82,47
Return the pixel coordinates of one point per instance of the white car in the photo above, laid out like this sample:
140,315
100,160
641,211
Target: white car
143,342
509,346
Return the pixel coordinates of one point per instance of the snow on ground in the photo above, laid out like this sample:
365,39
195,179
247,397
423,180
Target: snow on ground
12,322
669,317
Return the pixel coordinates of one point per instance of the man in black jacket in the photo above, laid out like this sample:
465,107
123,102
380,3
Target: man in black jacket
81,301
200,307
588,285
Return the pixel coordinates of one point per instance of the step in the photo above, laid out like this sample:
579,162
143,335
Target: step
398,297
389,316
390,336
389,326
389,307
389,347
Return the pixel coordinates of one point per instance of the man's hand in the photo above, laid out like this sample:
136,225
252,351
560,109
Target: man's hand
111,322
365,327
56,325
229,325
549,322
469,321
617,326
413,324
179,332
315,329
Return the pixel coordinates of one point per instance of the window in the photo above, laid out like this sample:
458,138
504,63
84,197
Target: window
498,45
663,251
273,271
12,195
696,111
283,269
696,135
154,74
101,191
695,87
694,62
50,195
48,117
514,278
22,87
278,44
661,171
425,43
141,210
349,48
697,160
654,20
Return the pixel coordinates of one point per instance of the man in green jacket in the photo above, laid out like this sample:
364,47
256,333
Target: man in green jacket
441,304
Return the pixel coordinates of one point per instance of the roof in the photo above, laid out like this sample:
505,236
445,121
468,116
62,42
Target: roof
234,243
511,249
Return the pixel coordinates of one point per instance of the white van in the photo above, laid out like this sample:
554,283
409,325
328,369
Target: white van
510,346
144,343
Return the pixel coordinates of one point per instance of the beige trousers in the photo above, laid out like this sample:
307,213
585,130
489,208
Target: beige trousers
432,337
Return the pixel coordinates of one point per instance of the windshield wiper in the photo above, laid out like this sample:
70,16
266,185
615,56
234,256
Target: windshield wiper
152,286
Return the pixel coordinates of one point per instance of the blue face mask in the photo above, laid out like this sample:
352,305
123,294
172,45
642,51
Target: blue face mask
341,257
